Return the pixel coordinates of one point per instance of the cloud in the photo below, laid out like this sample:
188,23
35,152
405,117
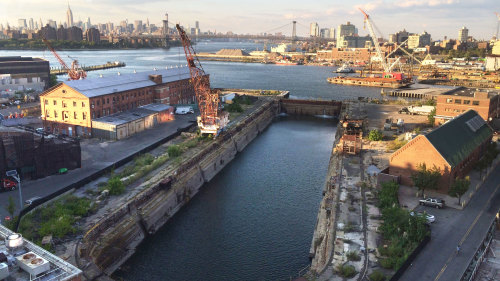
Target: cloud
430,3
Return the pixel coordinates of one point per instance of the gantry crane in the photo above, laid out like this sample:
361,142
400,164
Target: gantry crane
211,120
368,22
75,72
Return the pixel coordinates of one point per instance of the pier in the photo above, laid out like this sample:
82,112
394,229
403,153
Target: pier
60,71
426,93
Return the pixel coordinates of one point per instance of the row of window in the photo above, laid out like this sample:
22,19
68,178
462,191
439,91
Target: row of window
454,110
65,115
466,102
104,101
63,103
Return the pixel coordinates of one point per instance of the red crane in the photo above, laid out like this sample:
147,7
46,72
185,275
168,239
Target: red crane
211,120
75,72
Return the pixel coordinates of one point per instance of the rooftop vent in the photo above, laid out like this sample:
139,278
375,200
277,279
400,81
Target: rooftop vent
100,76
155,69
135,71
119,74
475,123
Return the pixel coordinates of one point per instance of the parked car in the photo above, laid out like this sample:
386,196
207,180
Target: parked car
428,217
184,110
432,202
39,131
32,200
9,184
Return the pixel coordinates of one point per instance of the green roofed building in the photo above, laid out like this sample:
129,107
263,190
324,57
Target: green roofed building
453,147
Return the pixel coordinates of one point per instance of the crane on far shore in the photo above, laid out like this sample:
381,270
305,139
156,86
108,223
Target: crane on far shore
75,72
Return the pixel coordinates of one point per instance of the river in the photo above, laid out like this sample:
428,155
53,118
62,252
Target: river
303,81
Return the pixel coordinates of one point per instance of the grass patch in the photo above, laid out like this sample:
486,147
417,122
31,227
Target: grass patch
353,256
347,271
377,276
396,144
56,219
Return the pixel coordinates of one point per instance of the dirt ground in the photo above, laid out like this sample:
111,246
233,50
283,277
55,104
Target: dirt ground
377,113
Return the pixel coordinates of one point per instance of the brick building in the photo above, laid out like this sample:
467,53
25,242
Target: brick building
20,73
454,148
70,107
454,103
347,54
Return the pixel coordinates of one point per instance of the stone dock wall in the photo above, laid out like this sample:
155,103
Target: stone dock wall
111,241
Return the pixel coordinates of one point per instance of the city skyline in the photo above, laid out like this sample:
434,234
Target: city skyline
438,17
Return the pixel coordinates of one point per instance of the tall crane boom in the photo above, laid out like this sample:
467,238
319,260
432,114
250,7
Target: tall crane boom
375,41
75,72
211,119
498,25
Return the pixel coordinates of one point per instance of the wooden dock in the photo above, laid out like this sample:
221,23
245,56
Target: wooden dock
60,71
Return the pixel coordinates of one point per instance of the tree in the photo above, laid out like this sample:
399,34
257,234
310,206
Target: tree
11,207
53,80
431,116
375,135
459,187
426,178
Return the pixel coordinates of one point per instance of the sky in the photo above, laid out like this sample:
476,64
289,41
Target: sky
438,17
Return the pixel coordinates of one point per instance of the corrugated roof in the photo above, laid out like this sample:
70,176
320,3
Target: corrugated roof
109,84
156,107
133,114
455,140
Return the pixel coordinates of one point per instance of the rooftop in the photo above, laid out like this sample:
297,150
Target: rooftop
459,137
133,114
22,258
94,87
469,92
18,58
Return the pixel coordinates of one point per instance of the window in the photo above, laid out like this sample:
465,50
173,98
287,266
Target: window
74,104
75,115
103,101
92,105
104,112
457,101
107,100
65,115
46,102
466,101
84,115
47,113
55,102
55,114
475,102
123,97
97,102
83,104
93,114
108,111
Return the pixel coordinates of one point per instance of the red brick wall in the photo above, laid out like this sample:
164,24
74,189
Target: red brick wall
404,162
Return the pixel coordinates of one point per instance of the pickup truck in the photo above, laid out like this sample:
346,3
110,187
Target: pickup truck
432,202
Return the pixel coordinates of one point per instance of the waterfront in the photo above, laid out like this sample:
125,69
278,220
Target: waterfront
253,221
302,81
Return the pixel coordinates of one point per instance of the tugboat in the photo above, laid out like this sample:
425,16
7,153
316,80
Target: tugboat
345,69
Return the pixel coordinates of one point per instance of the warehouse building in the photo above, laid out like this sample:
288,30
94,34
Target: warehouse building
454,148
124,124
22,73
72,106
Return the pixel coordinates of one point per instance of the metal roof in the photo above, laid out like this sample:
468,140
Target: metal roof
110,84
455,140
156,107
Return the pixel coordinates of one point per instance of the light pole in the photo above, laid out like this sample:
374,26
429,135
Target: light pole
13,173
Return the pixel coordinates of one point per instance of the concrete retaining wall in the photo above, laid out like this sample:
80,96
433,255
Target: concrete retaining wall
110,242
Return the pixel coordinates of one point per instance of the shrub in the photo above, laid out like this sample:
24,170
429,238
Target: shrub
347,271
397,144
353,256
234,107
115,186
174,151
377,276
385,263
375,135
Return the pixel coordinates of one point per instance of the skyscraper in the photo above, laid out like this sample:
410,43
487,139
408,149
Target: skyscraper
69,17
314,29
165,25
138,26
21,23
31,24
463,34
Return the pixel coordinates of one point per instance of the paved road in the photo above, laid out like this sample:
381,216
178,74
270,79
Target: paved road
96,155
467,228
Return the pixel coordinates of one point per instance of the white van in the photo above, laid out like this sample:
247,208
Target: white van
184,110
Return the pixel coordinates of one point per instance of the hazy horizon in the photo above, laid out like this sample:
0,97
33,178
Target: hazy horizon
438,17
